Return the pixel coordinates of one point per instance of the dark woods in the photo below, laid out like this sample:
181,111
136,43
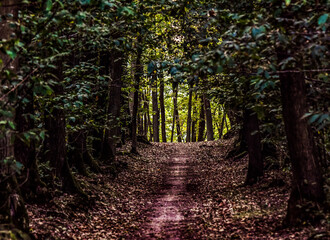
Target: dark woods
81,78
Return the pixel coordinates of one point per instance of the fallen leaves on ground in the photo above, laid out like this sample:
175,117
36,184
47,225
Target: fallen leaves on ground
120,207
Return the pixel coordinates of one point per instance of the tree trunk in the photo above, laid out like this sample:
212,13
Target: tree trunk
253,139
114,108
209,123
222,124
76,152
12,206
189,116
307,183
137,77
88,158
105,60
201,126
194,121
55,125
155,110
176,111
173,122
145,117
162,108
25,151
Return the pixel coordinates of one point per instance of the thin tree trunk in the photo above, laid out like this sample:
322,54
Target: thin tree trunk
201,126
176,111
222,125
162,108
173,121
115,90
194,121
145,115
189,116
105,60
209,123
226,124
137,77
253,139
155,110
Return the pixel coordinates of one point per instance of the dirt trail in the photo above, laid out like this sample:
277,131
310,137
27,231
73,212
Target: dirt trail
171,207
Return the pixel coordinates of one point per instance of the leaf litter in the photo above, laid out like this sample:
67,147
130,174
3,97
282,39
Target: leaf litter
210,200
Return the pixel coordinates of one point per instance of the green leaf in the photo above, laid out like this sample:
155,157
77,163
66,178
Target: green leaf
323,19
219,69
151,67
84,2
49,5
11,54
73,119
255,32
12,125
42,135
287,2
314,118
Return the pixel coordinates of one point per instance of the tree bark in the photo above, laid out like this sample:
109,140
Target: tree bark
201,126
222,124
25,151
209,123
176,111
155,109
253,139
194,121
76,152
307,182
55,125
137,77
189,116
12,206
114,108
162,108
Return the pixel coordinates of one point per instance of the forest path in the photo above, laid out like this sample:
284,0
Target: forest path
170,213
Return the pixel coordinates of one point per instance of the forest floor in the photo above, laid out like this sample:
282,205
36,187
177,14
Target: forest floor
173,191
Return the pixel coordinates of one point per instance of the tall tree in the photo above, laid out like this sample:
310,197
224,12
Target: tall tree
253,140
114,107
55,125
176,111
155,109
209,122
12,207
307,184
201,126
162,107
137,77
194,120
189,115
